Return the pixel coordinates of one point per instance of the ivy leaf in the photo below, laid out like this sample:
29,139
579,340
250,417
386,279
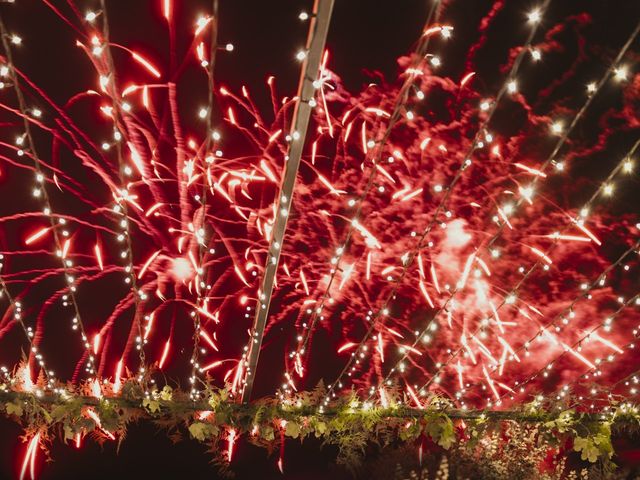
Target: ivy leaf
167,393
199,431
292,430
151,405
268,434
14,409
320,429
447,435
68,432
588,449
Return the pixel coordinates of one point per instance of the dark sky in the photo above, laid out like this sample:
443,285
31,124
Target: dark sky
365,35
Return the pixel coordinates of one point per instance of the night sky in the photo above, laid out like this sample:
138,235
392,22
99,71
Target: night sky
366,38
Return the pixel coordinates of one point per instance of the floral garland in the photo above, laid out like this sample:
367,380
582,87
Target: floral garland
350,425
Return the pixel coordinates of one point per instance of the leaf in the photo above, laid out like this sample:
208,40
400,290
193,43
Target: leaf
151,405
268,434
320,429
68,432
292,430
198,430
14,409
587,448
167,393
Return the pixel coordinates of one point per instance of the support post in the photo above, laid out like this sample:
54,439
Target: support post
318,28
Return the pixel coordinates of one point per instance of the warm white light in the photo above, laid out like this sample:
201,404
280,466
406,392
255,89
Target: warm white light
534,16
181,268
536,55
90,16
621,73
203,113
303,16
229,47
556,127
512,86
301,55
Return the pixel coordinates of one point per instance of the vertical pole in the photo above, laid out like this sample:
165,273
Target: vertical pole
318,28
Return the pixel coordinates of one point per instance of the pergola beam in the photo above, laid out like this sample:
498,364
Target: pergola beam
318,28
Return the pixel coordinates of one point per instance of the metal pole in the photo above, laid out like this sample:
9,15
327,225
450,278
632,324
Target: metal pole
318,29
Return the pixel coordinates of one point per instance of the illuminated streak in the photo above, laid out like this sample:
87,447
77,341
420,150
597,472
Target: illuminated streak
211,365
37,235
98,253
424,291
117,384
412,349
30,458
147,263
149,325
385,173
509,348
504,217
275,135
280,465
129,89
399,193
368,269
65,247
153,209
574,238
136,158
496,317
530,170
145,101
96,343
78,440
506,387
414,397
465,344
606,342
346,346
231,440
484,266
236,378
484,349
541,254
588,233
387,270
202,24
578,355
146,64
329,186
363,138
265,168
372,242
232,118
165,353
314,147
290,381
346,273
166,9
213,316
466,271
380,347
384,401
207,338
193,260
449,317
239,273
96,391
378,111
94,416
411,195
303,279
466,78
434,277
460,379
393,332
285,268
490,382
420,265
347,131
424,143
